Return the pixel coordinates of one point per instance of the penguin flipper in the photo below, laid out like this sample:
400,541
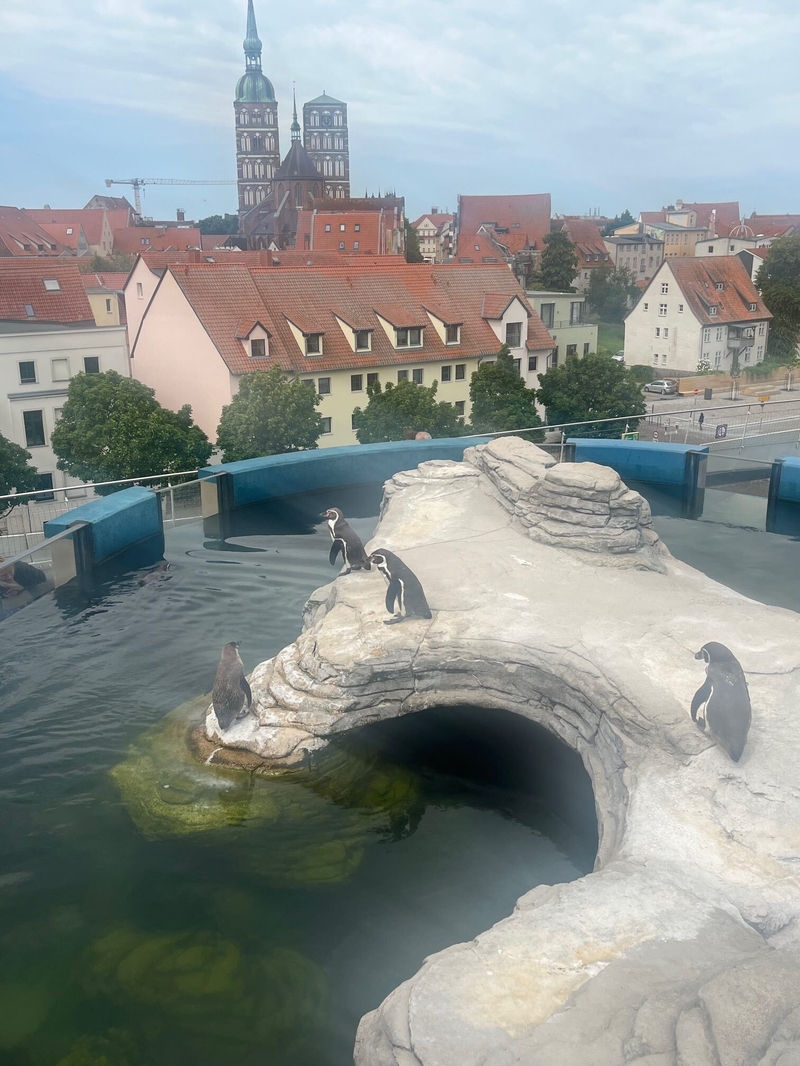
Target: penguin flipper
701,697
336,547
244,685
392,595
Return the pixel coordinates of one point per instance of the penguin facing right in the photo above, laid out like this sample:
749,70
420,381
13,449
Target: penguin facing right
231,696
404,588
726,697
347,541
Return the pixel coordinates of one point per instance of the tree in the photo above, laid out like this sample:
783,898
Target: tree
118,263
113,427
413,254
610,292
625,219
270,414
558,264
16,475
214,224
399,409
500,398
779,282
592,387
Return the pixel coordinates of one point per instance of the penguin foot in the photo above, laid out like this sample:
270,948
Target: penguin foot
393,621
344,573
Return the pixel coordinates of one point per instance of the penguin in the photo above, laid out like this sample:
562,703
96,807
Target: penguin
726,697
231,696
159,574
404,588
346,541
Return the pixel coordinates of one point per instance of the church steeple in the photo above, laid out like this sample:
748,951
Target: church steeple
295,123
252,44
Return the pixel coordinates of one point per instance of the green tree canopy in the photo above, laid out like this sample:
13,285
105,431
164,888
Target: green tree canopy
610,292
270,414
398,409
413,254
558,264
117,263
779,282
500,398
592,387
625,219
214,224
113,427
16,473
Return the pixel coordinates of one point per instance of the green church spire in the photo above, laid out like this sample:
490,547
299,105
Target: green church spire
252,44
295,123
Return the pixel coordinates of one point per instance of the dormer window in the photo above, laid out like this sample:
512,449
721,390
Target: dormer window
409,338
29,311
720,286
363,340
69,231
313,344
712,310
513,334
52,285
752,307
258,348
452,335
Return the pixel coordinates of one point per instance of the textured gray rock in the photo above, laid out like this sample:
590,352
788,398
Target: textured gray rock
682,947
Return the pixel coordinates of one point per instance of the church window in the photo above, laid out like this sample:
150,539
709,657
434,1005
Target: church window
340,194
298,194
316,190
326,142
337,118
260,195
256,142
328,190
338,168
327,167
315,142
244,118
314,118
338,141
256,117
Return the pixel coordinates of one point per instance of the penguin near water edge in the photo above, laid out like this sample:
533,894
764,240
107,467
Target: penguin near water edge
231,697
346,541
725,697
405,590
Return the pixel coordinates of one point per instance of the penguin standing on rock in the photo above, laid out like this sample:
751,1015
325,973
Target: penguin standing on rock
231,696
404,589
726,697
346,541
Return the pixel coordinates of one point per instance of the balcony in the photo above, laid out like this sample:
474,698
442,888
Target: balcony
565,323
737,342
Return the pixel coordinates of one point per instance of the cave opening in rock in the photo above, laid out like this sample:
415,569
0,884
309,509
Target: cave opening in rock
500,758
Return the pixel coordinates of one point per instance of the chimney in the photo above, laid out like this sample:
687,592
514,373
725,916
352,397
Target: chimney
434,210
679,204
181,214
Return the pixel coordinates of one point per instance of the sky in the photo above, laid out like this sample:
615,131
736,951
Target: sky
606,104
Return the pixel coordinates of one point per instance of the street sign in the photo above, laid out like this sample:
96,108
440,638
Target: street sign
631,436
722,431
655,435
763,399
696,392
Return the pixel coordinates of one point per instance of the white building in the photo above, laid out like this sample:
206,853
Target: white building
47,336
435,233
698,311
640,253
562,314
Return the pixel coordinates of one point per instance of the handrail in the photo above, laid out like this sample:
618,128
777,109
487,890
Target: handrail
98,484
6,563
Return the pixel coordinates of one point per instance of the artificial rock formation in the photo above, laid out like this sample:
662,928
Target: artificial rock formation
553,598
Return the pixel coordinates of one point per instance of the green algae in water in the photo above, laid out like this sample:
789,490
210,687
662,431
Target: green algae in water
316,822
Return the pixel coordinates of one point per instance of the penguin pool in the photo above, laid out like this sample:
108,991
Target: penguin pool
158,908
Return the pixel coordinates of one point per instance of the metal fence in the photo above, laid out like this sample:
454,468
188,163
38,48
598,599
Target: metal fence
732,427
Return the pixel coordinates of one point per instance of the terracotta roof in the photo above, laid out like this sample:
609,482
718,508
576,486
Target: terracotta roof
479,248
495,304
222,296
727,215
66,236
652,217
21,235
519,221
90,221
438,220
129,240
698,280
22,286
588,240
113,282
762,223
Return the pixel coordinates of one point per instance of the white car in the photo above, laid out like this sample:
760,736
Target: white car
664,386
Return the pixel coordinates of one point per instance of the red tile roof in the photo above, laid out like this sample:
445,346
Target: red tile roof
58,231
22,282
760,223
589,241
519,221
440,219
726,214
114,282
21,235
698,280
225,295
90,220
129,241
653,217
479,248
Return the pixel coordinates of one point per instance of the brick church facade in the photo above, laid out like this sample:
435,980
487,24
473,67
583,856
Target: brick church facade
316,167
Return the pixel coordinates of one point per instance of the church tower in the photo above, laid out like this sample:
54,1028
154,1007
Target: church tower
257,140
327,143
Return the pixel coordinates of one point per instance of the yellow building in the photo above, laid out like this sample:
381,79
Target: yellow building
105,297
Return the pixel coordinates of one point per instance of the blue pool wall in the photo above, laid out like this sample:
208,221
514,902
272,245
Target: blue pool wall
634,460
254,480
789,490
117,521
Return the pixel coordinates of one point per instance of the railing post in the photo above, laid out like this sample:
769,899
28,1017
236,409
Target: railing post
694,484
773,496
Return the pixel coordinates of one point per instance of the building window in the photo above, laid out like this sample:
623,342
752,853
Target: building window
327,227
140,290
447,373
554,357
314,344
372,379
355,246
409,338
91,364
513,334
353,421
572,349
341,246
357,227
666,332
34,428
59,369
459,406
45,482
547,314
416,376
452,335
27,373
324,386
356,382
363,340
719,333
586,347
720,286
518,365
108,307
327,426
646,307
752,307
712,310
533,362
461,371
575,313
706,334
658,331
258,349
747,355
402,375
310,382
662,310
145,241
680,309
52,285
717,360
342,227
663,360
761,329
655,358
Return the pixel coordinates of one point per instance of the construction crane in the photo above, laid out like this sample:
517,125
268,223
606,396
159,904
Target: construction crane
138,183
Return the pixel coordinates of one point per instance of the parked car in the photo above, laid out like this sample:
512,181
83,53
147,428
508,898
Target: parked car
665,386
619,356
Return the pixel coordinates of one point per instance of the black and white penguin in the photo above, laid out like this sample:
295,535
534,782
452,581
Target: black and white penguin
231,696
726,697
346,541
404,589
